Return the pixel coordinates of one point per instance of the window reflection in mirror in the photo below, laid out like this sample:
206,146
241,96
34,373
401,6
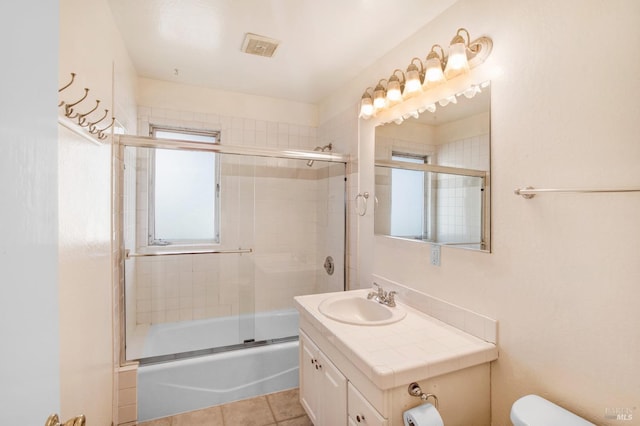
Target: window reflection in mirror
432,175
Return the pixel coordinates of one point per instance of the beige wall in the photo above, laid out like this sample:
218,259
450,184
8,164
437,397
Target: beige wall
90,46
181,97
563,276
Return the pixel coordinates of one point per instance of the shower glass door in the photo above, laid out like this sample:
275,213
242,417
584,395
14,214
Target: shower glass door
188,244
299,226
217,245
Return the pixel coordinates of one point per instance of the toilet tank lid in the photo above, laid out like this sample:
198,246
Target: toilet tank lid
533,410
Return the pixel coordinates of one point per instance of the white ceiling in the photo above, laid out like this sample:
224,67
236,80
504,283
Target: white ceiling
324,43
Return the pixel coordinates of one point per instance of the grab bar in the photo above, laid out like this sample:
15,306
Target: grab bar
128,254
530,192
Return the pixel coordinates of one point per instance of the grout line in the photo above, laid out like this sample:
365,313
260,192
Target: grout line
273,414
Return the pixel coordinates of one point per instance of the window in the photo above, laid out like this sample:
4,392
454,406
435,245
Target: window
184,190
410,198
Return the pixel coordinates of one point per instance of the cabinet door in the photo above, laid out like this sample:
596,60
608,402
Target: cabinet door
361,412
334,394
309,378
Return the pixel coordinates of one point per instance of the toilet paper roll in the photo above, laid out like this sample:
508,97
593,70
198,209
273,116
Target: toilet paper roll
423,415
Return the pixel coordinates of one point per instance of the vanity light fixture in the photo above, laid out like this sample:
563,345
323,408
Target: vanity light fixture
379,96
414,76
457,63
394,87
434,74
366,104
464,54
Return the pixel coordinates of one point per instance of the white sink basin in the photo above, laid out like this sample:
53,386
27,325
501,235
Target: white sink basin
357,309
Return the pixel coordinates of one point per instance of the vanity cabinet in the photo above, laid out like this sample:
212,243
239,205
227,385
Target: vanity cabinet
359,375
327,396
323,388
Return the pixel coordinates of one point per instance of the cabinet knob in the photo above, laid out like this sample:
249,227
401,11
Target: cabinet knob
360,418
313,361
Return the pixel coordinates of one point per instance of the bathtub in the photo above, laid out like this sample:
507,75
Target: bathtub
187,336
182,385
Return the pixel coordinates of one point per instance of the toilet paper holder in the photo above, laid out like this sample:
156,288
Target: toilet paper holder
414,390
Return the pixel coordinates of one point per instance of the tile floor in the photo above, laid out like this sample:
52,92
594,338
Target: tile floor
276,409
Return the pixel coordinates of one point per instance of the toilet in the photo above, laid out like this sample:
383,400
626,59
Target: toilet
532,410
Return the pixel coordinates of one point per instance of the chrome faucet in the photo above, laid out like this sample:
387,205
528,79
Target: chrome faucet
382,296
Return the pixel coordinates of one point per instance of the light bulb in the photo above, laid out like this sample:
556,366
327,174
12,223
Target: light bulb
366,108
393,91
379,100
457,63
413,82
433,74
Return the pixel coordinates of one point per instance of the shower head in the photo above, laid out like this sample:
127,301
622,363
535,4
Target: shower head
320,148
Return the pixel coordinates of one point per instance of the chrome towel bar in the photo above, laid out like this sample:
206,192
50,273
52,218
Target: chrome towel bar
128,254
530,192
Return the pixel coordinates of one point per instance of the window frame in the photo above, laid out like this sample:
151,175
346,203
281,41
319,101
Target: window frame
152,241
428,201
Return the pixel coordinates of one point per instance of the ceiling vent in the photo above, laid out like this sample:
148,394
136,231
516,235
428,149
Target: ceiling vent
259,45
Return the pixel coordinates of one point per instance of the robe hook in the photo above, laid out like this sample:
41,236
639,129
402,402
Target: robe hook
82,117
92,126
68,108
101,134
73,76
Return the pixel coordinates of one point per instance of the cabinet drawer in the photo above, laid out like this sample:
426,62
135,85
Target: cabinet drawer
361,413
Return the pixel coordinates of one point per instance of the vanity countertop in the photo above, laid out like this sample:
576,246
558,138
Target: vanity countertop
416,348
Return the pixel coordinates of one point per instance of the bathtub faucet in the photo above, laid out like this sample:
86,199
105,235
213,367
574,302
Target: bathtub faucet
382,296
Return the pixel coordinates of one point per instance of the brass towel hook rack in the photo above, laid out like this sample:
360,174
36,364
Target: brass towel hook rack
83,119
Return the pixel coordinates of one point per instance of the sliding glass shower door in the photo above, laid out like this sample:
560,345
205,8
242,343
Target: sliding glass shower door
218,243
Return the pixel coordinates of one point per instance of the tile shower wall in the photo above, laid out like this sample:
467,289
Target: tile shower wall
342,131
459,207
291,234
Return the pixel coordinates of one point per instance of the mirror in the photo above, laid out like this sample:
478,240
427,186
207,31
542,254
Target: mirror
432,175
